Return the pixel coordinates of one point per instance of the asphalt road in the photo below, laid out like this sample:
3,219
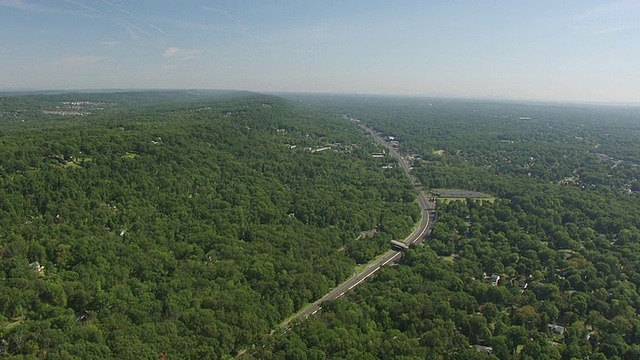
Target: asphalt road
426,207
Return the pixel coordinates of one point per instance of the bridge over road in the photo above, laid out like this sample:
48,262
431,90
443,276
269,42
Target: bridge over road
428,216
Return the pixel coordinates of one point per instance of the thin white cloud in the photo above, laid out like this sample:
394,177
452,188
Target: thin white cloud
225,13
86,7
137,28
233,25
16,4
188,25
154,27
133,31
117,7
136,33
610,9
39,8
131,16
180,54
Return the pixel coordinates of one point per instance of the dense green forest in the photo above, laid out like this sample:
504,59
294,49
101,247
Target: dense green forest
563,235
191,224
179,224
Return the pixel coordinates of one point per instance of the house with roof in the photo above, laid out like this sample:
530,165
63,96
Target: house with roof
494,280
557,329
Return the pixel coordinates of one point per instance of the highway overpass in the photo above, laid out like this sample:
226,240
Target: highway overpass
428,216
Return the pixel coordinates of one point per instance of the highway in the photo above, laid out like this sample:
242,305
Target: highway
428,210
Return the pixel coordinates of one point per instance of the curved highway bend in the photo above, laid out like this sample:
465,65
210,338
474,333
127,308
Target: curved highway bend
428,210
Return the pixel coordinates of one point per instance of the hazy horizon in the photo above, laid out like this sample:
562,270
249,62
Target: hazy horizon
574,51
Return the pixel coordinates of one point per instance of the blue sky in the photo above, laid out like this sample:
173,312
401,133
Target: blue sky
541,50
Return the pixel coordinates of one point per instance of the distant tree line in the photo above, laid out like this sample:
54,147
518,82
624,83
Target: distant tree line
186,226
